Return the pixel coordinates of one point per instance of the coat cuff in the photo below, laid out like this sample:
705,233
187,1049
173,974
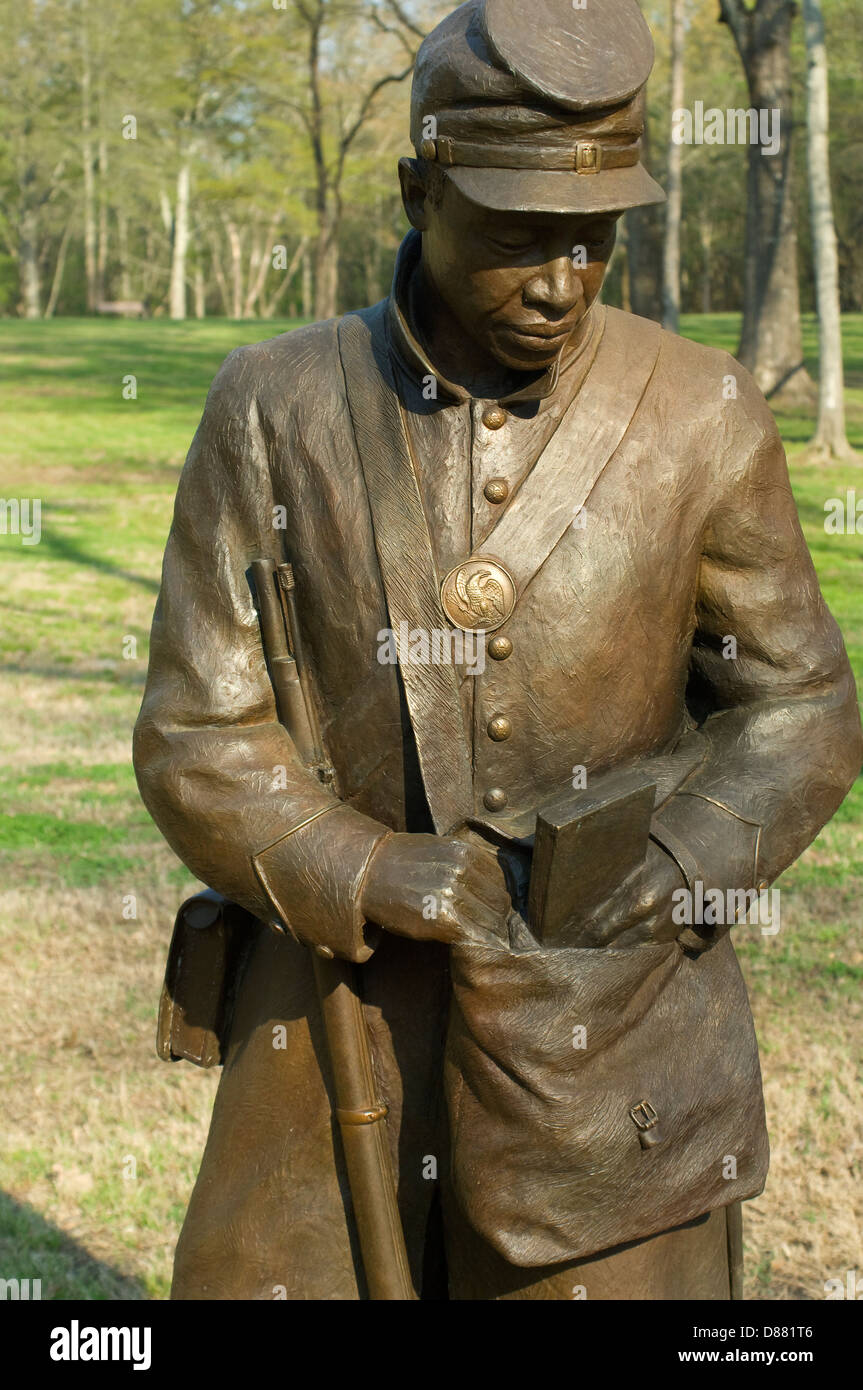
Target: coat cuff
313,876
712,844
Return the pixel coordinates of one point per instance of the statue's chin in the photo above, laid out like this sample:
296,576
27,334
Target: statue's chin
525,362
520,353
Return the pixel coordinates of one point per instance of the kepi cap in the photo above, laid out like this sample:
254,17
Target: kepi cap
539,107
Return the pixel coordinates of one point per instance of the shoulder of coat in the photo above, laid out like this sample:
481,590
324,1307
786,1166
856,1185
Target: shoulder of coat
695,383
308,350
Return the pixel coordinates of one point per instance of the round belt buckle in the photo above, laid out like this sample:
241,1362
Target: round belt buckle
479,595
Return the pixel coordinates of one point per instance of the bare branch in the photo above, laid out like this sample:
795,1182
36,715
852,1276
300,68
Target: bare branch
351,134
399,11
394,33
737,15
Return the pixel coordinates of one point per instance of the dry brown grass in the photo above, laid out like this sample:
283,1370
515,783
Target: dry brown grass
84,1091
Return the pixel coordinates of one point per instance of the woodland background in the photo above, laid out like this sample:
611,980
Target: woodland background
257,126
260,128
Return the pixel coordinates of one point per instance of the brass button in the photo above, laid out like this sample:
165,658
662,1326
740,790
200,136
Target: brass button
325,952
499,728
496,490
763,886
494,418
495,799
500,648
428,150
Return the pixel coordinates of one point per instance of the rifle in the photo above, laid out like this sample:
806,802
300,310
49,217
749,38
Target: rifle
361,1117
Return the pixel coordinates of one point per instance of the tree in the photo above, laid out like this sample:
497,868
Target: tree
830,440
643,247
35,154
339,99
771,342
674,186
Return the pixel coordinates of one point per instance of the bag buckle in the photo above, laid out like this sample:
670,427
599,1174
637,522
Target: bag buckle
647,1123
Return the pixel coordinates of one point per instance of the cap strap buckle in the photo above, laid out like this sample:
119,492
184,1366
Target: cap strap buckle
588,157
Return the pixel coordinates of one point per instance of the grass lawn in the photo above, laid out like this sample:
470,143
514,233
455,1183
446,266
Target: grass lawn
101,1141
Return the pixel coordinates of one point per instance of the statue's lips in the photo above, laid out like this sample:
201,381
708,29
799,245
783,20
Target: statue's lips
542,333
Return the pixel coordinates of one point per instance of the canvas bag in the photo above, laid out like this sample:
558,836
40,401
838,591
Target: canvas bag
546,1161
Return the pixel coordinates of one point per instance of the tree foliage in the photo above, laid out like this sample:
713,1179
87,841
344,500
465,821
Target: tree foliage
288,117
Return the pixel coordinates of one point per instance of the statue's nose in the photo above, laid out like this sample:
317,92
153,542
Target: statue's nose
556,286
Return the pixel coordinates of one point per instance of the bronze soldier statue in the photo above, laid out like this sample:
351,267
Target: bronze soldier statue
487,638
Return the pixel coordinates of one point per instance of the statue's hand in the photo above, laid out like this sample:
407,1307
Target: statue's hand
433,888
639,909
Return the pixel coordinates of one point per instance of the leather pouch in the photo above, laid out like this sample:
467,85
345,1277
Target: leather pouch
599,1095
209,945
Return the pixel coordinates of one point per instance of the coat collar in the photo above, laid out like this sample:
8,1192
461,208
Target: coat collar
407,346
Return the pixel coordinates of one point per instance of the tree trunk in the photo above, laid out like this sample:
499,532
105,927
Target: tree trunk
236,249
644,250
123,250
307,284
150,269
830,440
28,264
259,268
771,341
327,266
622,250
674,188
102,251
200,293
705,228
177,302
269,308
219,273
59,268
87,162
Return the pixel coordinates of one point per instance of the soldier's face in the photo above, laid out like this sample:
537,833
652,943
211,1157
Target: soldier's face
518,284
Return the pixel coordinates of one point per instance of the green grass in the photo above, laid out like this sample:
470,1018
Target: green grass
79,998
722,331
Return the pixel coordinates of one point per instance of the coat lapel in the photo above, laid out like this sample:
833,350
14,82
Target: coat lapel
408,571
562,479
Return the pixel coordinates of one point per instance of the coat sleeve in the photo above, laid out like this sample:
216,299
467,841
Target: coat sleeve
771,680
217,771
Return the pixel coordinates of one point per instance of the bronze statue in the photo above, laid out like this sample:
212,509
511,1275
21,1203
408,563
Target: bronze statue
487,638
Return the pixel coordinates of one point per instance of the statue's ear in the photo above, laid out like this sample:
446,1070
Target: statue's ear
414,193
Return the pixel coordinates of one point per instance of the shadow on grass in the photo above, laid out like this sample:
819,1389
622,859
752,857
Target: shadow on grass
110,674
171,360
59,547
32,1248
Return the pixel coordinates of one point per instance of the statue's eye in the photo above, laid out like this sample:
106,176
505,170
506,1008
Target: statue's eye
511,246
598,234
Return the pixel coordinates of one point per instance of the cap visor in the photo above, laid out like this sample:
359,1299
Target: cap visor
557,190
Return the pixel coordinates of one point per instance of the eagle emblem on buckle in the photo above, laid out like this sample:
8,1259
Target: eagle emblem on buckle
479,595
